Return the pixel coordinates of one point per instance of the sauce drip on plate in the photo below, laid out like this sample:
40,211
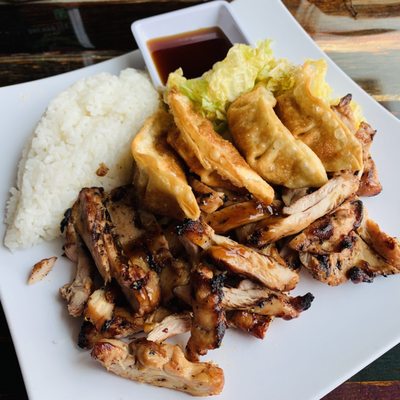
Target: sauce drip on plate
195,52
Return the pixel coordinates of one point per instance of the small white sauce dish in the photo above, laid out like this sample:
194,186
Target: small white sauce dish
212,14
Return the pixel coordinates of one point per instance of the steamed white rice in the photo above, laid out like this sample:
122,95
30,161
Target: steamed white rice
90,123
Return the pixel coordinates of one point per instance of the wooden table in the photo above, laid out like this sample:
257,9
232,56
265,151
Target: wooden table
43,38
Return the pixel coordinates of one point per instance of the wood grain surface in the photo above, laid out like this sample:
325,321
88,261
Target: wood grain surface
44,38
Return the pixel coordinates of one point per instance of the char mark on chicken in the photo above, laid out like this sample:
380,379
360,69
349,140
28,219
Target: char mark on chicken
330,233
122,324
244,261
196,232
138,282
240,259
93,225
209,322
172,271
239,214
266,302
208,199
358,262
253,324
305,211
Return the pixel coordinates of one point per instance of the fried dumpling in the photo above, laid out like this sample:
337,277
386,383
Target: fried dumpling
209,155
268,146
309,117
159,177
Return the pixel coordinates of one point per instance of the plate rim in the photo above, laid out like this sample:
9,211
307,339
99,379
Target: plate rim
125,57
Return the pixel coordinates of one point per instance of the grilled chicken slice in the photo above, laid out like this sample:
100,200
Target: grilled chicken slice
247,284
258,300
150,237
242,260
357,262
152,319
159,364
386,246
78,291
138,282
369,181
236,215
175,245
92,224
244,233
289,196
195,233
290,256
172,271
127,235
208,199
253,324
365,134
172,325
330,233
239,259
209,322
234,196
266,302
155,243
120,206
123,324
345,112
305,211
345,182
72,240
206,153
41,269
100,306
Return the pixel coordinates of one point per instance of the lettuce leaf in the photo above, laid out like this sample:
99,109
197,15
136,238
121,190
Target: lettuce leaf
242,68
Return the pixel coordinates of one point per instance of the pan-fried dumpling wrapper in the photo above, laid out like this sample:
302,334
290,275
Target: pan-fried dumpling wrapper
159,176
209,155
268,146
309,117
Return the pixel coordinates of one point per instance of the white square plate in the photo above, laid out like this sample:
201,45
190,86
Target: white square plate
346,328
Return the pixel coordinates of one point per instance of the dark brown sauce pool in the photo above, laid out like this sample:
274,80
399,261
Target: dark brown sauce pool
195,52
